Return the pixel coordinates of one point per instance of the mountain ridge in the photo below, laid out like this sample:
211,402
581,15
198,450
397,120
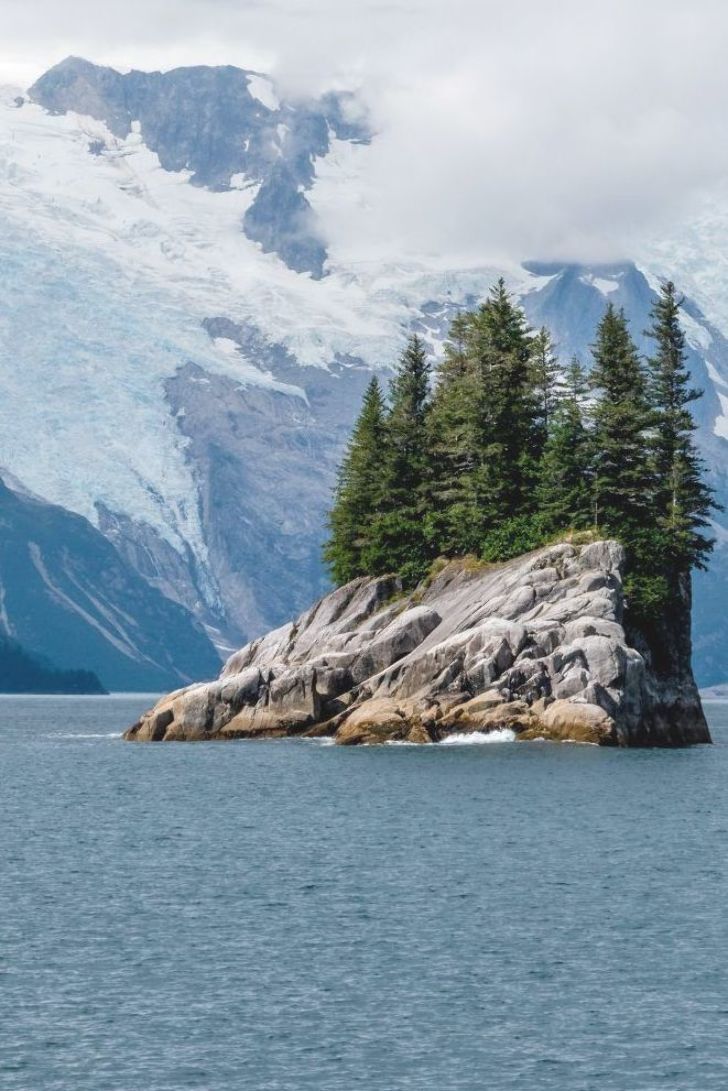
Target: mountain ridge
67,596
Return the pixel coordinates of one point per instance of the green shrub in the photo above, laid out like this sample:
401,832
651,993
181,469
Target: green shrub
514,536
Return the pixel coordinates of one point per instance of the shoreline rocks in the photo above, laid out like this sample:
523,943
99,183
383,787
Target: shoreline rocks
535,645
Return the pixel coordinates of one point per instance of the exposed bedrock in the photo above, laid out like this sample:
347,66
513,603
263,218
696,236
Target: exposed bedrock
535,645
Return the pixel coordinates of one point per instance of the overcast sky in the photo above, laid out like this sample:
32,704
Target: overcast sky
554,128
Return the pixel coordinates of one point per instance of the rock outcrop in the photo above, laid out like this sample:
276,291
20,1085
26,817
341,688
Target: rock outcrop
535,645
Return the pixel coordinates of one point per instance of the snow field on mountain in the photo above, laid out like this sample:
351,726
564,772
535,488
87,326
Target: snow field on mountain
91,330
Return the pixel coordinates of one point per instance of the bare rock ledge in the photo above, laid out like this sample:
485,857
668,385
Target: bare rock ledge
535,645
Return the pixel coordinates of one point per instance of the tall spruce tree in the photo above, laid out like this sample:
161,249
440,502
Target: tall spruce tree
512,439
624,479
484,423
565,487
512,405
360,490
455,433
398,542
547,379
683,501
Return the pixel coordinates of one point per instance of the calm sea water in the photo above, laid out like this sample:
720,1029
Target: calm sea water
293,916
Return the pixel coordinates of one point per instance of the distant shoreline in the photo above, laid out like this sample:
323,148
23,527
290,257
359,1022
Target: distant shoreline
78,696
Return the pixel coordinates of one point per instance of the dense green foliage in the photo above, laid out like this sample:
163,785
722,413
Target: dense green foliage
566,481
683,501
397,533
504,449
359,492
486,427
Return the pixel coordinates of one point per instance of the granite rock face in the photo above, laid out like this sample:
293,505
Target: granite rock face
535,645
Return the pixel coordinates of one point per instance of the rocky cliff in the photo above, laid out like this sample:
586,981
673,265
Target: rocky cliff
535,646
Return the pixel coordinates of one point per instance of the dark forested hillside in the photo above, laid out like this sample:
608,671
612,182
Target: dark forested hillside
21,672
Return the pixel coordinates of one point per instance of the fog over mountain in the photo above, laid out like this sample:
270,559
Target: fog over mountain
565,131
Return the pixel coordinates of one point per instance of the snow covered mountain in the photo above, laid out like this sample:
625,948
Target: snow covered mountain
183,348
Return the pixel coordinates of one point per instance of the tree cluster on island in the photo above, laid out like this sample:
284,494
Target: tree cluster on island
503,450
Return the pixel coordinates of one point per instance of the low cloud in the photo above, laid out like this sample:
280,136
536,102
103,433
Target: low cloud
544,128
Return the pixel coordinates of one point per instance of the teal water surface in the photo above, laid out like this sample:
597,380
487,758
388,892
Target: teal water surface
287,916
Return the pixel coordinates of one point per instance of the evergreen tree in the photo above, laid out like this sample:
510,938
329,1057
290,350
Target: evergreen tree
397,542
512,435
359,492
408,398
486,439
515,425
574,385
546,377
565,488
683,501
624,479
454,434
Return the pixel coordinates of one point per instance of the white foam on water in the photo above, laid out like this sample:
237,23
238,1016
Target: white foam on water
471,738
478,738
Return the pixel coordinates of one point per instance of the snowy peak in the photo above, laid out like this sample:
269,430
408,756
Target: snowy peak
572,300
229,129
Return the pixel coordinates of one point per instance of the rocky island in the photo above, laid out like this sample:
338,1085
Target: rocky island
535,646
573,511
